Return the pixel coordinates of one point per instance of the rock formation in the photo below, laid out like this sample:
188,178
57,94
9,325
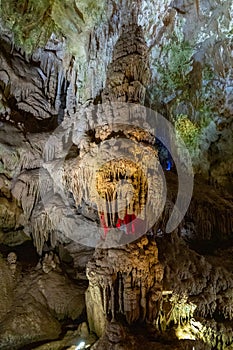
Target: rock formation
85,179
124,282
35,301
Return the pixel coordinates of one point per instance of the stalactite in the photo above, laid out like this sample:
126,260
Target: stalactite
105,300
26,191
113,307
120,293
43,229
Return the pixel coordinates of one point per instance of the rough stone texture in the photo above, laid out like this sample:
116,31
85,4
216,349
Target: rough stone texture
55,82
209,216
35,93
32,304
118,337
201,290
7,286
71,339
197,284
79,255
48,213
31,323
52,87
124,282
202,91
128,74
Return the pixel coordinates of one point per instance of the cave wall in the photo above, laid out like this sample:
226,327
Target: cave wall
41,88
177,65
191,63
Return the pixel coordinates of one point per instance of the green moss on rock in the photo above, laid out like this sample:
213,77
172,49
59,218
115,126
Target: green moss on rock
32,22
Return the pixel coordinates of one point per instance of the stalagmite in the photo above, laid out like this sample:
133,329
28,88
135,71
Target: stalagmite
130,288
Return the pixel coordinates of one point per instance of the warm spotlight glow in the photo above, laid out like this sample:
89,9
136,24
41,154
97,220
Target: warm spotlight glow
185,332
192,330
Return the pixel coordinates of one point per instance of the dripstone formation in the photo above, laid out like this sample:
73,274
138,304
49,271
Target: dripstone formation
86,193
128,73
124,282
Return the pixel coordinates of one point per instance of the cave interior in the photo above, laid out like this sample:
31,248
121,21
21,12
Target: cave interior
116,167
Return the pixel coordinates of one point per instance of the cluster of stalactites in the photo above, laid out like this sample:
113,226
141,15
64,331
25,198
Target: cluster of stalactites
119,187
123,186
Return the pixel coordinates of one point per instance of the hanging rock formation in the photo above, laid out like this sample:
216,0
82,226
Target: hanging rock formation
68,115
86,159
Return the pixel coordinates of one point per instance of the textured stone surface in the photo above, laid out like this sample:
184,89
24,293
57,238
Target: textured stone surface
71,339
7,287
118,337
180,63
33,303
197,81
52,81
200,287
128,74
124,282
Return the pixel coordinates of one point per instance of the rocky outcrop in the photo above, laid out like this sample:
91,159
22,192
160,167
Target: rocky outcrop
72,339
39,85
200,288
33,304
42,89
190,61
35,92
6,289
208,217
120,337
